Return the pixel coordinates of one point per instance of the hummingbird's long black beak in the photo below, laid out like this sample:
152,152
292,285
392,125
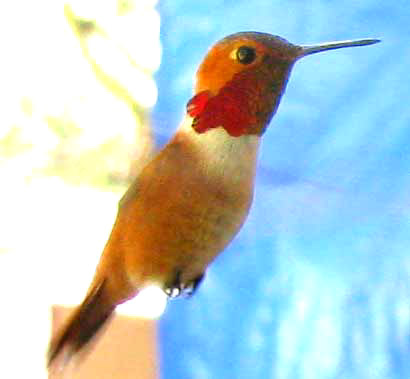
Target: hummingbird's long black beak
307,50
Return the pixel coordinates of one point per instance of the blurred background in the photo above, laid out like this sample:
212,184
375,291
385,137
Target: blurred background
317,283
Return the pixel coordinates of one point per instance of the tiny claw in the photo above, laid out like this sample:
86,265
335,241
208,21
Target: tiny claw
174,287
173,292
192,286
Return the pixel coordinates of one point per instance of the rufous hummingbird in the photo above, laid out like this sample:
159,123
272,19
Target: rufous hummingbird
192,198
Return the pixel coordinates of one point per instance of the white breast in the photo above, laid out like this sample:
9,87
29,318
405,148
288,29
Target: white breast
229,158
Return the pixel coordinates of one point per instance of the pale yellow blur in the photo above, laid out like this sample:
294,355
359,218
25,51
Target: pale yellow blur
68,135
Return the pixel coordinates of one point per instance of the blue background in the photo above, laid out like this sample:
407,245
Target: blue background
317,284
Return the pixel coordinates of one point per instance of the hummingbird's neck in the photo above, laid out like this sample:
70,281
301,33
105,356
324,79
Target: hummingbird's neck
222,156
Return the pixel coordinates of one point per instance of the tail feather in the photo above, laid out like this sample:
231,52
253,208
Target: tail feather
83,325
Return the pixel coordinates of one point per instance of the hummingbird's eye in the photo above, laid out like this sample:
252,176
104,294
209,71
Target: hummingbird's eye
245,54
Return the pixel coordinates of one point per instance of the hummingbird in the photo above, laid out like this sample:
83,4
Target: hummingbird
191,199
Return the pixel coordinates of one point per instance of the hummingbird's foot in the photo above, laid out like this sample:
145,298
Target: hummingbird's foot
176,288
191,287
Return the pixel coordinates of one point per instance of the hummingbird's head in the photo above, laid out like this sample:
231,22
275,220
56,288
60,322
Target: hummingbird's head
242,78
